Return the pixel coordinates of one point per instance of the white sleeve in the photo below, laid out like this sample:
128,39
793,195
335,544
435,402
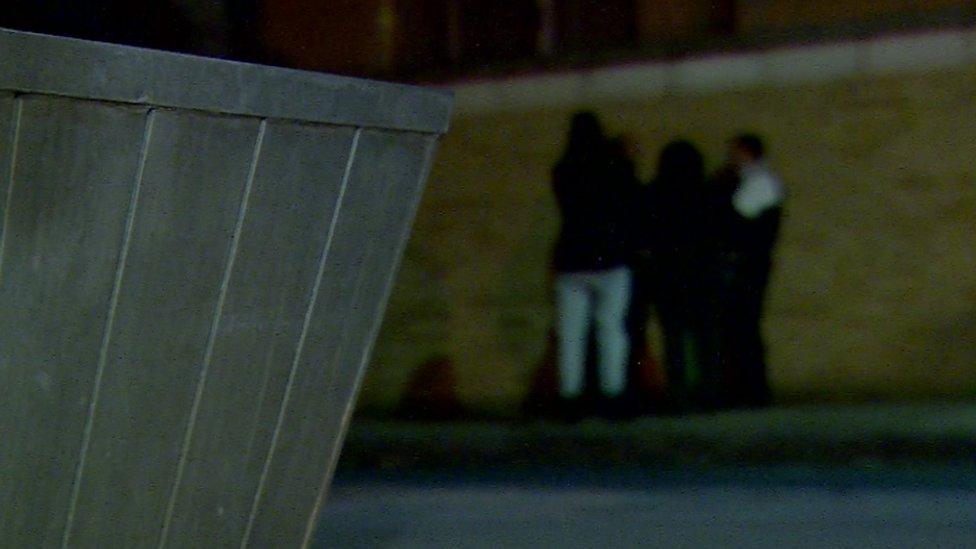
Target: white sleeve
758,193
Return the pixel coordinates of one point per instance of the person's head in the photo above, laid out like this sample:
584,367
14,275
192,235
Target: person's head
681,163
585,133
746,149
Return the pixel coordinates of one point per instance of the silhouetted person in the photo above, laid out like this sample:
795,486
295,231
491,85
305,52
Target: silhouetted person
752,229
643,387
682,290
593,282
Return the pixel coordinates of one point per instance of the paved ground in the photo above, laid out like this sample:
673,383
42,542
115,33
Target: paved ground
864,476
775,507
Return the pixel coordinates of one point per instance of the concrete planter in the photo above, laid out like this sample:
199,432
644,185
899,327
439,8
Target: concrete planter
194,261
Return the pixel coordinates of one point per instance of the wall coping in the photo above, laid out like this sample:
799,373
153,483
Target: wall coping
35,63
778,67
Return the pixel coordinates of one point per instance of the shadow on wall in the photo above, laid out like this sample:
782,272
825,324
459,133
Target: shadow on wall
431,394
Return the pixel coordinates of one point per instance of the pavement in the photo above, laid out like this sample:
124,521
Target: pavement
894,433
762,507
837,476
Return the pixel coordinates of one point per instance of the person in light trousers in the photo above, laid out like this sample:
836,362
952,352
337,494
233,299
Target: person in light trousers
593,282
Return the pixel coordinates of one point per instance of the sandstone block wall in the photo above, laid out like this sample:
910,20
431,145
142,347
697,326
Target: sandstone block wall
874,293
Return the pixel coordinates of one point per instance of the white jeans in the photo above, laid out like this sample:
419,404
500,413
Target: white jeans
602,296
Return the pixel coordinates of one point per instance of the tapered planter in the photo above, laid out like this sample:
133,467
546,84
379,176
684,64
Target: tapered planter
194,261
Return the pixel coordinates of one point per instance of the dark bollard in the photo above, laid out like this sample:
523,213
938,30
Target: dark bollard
194,261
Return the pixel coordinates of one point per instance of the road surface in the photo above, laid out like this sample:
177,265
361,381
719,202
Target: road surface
776,507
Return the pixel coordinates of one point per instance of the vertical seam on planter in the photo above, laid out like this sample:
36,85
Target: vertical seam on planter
214,327
109,325
18,112
327,247
374,331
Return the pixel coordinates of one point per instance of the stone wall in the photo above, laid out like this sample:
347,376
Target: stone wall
874,293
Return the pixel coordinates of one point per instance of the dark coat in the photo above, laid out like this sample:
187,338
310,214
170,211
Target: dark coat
596,193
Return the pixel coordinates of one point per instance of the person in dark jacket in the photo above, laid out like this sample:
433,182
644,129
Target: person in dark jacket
753,208
593,282
682,288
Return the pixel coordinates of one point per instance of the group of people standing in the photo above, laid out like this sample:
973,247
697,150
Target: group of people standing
694,250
